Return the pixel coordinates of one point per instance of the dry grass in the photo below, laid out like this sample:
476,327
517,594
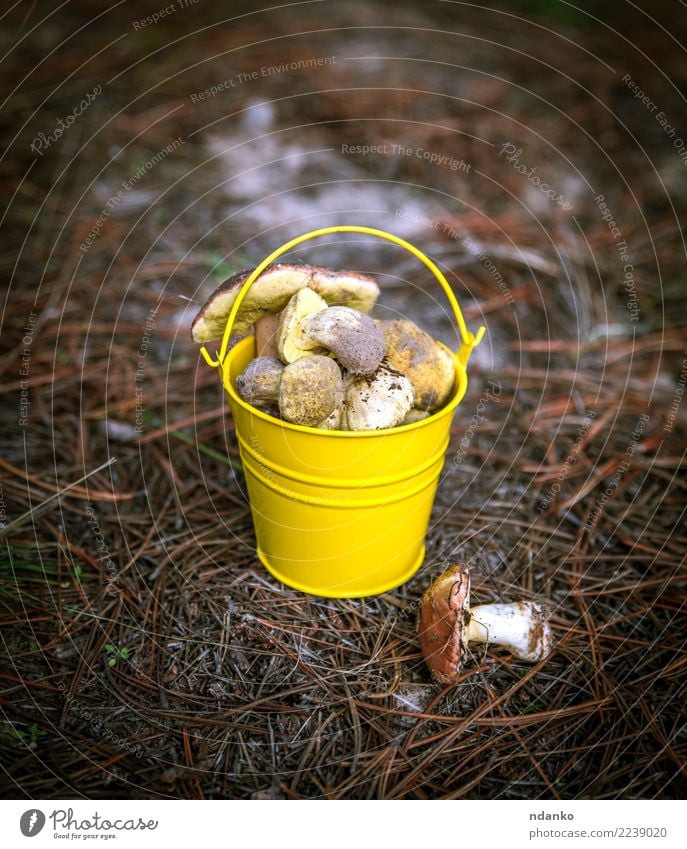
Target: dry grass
218,682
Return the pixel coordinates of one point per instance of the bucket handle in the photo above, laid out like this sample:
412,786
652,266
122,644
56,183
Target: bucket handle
469,340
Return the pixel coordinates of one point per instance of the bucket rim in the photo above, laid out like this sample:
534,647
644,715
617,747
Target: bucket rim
459,394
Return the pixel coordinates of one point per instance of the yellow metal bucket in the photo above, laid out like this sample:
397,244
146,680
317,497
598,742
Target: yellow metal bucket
341,514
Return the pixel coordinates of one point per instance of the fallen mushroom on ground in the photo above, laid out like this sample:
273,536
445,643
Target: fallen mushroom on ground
364,375
447,624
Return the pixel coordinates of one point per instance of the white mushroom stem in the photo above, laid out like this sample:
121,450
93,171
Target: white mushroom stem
521,627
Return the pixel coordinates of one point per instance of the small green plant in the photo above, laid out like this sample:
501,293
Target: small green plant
78,572
116,654
30,737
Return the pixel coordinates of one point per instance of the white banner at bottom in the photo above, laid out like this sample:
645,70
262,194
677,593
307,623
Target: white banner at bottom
339,825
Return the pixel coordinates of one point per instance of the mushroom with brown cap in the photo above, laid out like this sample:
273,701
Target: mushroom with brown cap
377,401
311,389
447,624
308,391
353,337
271,292
424,361
259,382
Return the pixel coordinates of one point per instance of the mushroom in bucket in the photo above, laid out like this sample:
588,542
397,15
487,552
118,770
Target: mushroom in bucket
271,292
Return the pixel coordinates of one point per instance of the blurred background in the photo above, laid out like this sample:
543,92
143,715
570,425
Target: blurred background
538,153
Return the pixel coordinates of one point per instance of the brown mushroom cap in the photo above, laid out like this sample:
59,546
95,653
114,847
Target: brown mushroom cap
258,384
272,290
443,622
429,366
353,338
311,389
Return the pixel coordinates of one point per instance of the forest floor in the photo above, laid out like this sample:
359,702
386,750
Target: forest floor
146,652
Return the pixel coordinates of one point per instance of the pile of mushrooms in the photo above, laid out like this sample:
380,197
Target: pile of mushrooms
321,360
